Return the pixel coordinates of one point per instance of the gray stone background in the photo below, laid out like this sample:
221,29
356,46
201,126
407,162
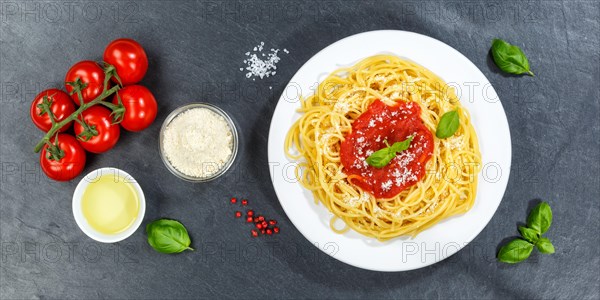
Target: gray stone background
196,49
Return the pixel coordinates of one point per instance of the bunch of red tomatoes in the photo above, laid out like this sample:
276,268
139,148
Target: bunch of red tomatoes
99,100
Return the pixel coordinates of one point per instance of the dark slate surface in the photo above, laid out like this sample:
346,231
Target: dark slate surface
196,50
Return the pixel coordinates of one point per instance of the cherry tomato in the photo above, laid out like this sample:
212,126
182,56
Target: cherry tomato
101,121
89,72
129,58
140,107
60,105
69,165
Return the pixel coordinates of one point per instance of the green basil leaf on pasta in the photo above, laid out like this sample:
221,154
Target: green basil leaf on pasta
401,146
168,236
515,251
540,218
510,58
545,246
382,157
448,125
529,234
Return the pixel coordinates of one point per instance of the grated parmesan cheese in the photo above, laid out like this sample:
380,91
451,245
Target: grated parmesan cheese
455,142
355,201
386,186
378,211
341,107
198,142
431,207
398,214
380,78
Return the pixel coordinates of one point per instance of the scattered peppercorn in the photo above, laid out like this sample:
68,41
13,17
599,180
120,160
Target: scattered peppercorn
260,223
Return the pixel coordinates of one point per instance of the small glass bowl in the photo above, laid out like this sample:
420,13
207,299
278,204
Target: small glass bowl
219,112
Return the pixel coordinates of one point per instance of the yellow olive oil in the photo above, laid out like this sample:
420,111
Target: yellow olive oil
110,204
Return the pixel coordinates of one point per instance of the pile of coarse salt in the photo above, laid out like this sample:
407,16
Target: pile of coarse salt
261,66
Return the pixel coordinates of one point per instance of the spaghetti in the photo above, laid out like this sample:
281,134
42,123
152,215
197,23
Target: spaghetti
449,184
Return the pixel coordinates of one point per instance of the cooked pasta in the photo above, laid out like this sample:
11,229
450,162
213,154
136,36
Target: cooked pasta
449,183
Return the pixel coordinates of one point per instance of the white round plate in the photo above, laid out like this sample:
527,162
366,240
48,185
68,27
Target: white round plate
443,239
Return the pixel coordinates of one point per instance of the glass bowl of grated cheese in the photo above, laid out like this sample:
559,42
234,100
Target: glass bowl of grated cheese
198,142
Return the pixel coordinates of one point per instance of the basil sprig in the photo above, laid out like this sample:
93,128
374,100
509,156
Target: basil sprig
448,125
168,236
510,58
519,249
382,157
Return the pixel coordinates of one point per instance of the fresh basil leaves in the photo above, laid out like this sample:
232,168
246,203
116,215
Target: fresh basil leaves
168,236
510,58
519,249
545,246
540,218
515,251
448,125
529,234
382,157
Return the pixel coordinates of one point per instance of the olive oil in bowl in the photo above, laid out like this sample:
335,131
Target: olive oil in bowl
110,204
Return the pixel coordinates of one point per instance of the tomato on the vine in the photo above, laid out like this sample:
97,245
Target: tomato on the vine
140,107
89,73
64,159
129,59
60,105
101,134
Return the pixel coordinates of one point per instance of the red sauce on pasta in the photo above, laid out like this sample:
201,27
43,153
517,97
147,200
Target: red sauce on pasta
379,123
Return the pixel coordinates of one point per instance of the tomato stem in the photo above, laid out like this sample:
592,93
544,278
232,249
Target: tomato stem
110,105
88,131
57,125
45,108
54,152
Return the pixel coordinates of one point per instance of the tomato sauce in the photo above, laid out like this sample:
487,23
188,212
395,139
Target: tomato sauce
370,130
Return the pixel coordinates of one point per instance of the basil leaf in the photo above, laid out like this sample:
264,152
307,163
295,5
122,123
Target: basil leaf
531,235
540,218
448,125
545,246
401,146
382,157
168,236
515,251
510,58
